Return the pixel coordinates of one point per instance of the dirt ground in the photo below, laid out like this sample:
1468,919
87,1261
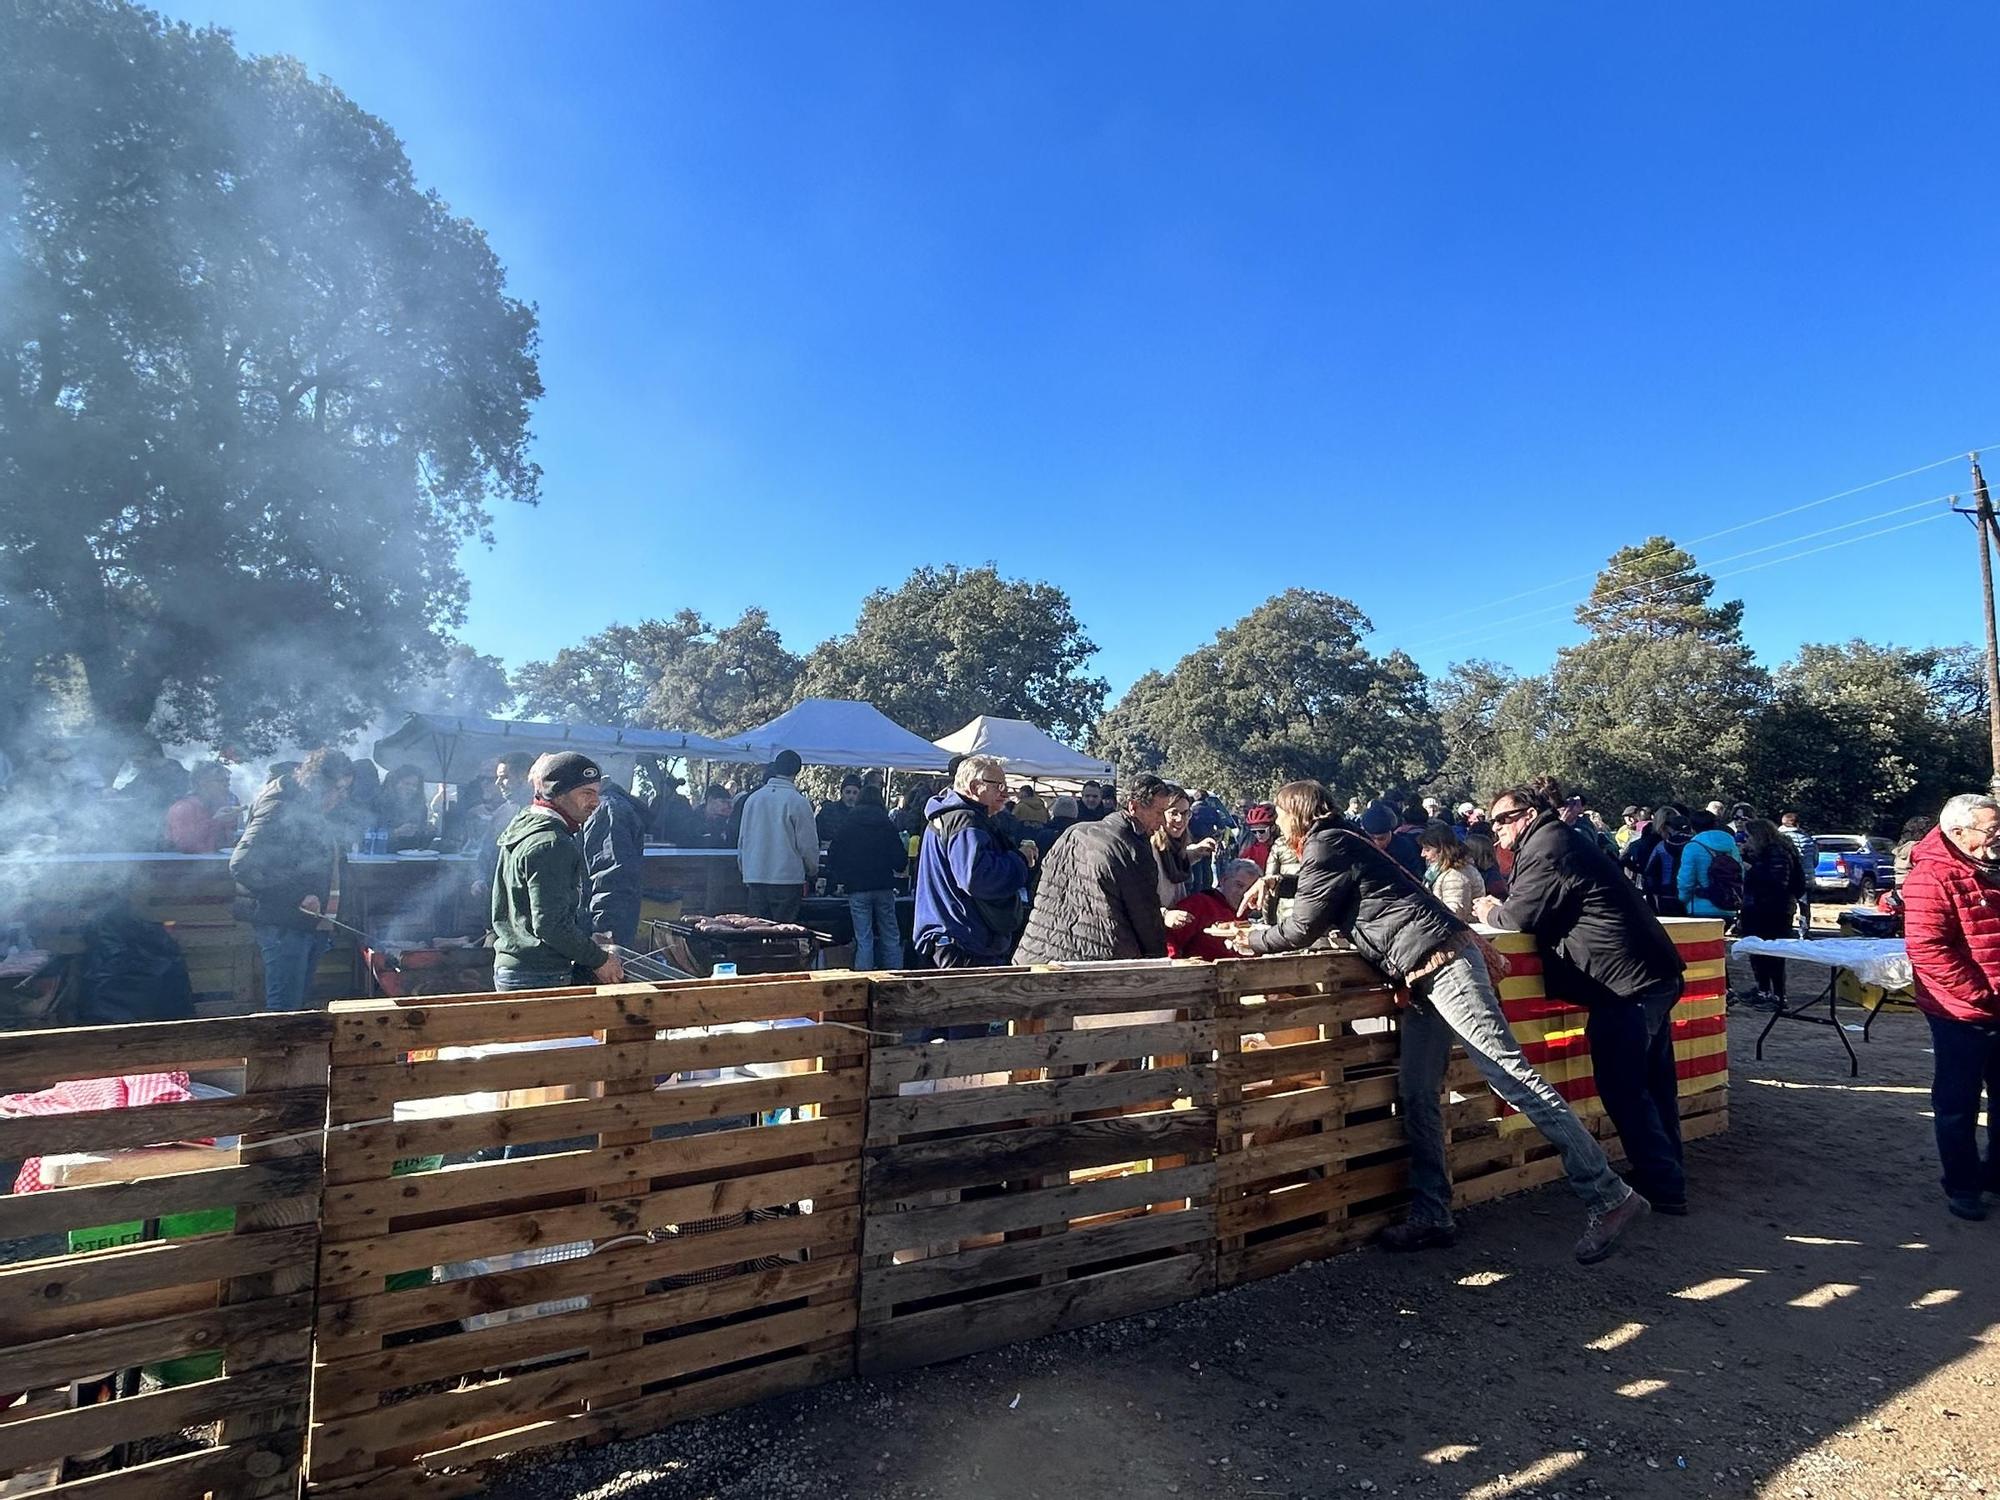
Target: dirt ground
1817,1327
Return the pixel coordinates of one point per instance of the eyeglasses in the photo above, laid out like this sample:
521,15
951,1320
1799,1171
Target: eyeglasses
1512,815
989,781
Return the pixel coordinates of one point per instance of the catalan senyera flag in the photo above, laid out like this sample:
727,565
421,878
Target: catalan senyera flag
1550,1028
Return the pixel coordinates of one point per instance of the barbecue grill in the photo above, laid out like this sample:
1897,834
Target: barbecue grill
698,944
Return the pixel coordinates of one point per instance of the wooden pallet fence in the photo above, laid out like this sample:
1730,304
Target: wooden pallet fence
1312,1158
1550,1028
165,1349
1040,1154
639,1203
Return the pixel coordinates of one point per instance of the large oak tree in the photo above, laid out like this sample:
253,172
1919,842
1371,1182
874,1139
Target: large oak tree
256,386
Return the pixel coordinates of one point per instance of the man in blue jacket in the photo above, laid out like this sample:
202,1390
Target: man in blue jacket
971,880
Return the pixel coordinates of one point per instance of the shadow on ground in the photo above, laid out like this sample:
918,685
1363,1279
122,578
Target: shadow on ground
1817,1327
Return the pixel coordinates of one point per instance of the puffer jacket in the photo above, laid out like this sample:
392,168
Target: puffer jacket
287,853
1099,898
614,860
1345,884
1951,925
1598,939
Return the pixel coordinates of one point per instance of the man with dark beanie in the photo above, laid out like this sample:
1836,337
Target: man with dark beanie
541,938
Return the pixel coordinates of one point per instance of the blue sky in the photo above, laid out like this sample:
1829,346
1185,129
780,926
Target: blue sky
1176,306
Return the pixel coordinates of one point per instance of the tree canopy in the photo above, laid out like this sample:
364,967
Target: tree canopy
952,643
680,673
1288,692
256,386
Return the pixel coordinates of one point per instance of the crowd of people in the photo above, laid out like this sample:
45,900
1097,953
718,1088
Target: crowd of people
1001,873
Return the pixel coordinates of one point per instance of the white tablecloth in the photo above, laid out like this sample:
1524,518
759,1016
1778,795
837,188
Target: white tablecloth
1881,961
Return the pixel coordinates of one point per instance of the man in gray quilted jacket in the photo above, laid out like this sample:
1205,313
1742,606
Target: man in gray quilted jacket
1100,895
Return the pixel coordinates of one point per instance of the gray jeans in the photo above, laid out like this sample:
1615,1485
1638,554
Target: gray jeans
1458,1000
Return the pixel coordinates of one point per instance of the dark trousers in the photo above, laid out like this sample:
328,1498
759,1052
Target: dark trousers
776,903
1770,973
1966,1059
1632,1054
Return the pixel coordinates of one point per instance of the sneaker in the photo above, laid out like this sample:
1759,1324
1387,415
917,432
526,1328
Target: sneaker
1408,1236
1601,1235
1677,1207
1967,1206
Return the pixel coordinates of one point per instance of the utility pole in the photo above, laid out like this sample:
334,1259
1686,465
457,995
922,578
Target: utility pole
1988,528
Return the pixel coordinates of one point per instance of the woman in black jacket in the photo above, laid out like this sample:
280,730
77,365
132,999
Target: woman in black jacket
1773,882
1347,885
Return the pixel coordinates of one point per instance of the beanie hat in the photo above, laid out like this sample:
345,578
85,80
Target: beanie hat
1377,819
564,771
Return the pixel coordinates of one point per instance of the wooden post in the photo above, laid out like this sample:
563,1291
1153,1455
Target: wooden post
1987,531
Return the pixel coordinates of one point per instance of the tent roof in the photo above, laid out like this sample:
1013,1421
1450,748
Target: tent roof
843,732
1026,750
464,749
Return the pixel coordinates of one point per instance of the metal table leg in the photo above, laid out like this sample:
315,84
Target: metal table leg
1832,1018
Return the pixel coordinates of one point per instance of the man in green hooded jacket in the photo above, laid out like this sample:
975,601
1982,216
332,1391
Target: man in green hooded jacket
541,940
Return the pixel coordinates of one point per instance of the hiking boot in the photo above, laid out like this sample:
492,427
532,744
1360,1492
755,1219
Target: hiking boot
1967,1206
1601,1235
1408,1236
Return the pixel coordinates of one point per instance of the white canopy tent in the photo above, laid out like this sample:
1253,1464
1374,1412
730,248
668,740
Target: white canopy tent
1026,750
465,749
842,732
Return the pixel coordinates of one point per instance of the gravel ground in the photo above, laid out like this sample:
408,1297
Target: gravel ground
1817,1327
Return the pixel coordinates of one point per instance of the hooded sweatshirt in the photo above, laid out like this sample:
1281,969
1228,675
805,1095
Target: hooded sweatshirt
538,895
970,882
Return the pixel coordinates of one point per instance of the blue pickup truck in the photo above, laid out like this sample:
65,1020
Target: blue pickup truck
1857,866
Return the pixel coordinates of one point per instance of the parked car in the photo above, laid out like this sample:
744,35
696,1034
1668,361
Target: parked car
1855,865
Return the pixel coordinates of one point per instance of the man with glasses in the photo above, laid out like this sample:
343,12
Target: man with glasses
1090,803
972,882
1951,918
1603,949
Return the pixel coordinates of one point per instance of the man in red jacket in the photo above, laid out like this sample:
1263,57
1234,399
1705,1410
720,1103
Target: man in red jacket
1951,921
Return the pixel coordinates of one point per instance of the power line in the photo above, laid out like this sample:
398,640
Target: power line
1623,595
1725,531
1669,591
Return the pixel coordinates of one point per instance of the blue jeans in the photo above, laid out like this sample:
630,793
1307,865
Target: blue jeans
1632,1054
290,954
1459,1001
875,934
535,979
1965,1060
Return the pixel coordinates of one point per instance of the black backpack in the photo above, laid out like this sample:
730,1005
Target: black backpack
1723,888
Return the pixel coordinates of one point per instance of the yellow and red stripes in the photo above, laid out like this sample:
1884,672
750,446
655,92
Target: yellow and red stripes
1550,1029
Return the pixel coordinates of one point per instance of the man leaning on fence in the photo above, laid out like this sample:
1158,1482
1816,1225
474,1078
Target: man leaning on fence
541,936
1602,948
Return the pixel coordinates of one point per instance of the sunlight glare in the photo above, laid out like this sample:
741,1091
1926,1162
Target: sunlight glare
1715,1286
1450,1453
1822,1296
1632,1390
1541,1471
1937,1298
1624,1333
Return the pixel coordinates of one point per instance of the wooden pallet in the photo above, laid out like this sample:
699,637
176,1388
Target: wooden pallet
1312,1154
243,1290
1058,1174
711,1257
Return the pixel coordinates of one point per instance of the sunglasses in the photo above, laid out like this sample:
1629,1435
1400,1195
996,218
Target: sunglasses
1513,815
